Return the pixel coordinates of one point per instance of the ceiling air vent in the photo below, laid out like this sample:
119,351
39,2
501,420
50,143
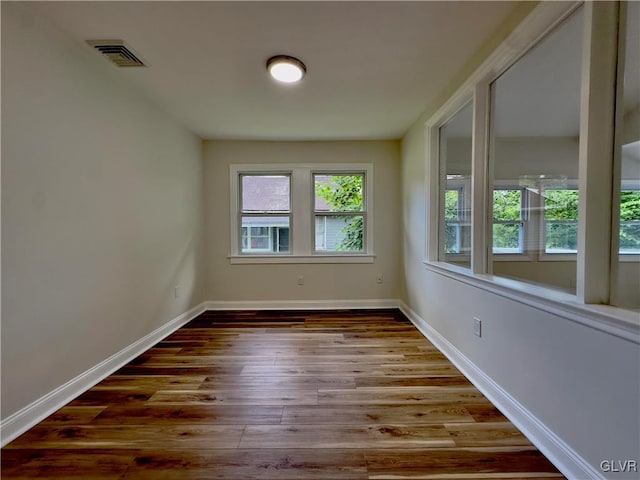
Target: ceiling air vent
117,52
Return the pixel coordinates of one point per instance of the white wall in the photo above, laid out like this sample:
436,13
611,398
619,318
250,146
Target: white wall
228,282
583,384
101,211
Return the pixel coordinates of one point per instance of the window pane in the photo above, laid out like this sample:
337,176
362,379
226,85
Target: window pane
630,222
507,227
506,238
452,205
455,167
561,204
453,221
507,205
561,221
340,233
339,193
561,237
535,139
321,233
626,277
265,234
265,193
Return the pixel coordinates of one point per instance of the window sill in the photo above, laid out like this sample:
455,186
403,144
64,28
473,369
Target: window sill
629,258
612,320
511,257
284,259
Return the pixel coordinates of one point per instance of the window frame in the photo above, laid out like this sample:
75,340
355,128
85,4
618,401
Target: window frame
463,187
302,213
527,231
242,214
342,213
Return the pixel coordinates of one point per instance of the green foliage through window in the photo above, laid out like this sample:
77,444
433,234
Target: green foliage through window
343,193
561,226
630,221
507,226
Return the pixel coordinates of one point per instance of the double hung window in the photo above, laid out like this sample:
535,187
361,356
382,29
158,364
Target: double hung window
265,213
508,220
301,213
339,212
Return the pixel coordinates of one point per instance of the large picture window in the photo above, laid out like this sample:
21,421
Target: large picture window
455,177
535,136
549,190
625,278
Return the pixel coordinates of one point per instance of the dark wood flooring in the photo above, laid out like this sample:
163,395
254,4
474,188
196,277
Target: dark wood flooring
281,395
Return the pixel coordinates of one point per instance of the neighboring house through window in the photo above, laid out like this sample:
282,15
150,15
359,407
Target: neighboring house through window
265,212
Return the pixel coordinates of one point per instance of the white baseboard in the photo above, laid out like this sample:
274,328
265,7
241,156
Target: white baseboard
25,418
302,304
567,460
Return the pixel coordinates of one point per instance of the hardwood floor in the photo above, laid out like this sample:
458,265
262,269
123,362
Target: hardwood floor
281,395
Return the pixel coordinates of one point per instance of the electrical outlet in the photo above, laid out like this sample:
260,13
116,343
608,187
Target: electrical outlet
300,279
380,278
477,327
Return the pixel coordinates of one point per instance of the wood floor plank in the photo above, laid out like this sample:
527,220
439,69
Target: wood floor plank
189,360
416,381
145,382
82,415
276,382
345,436
458,463
254,464
401,395
130,436
364,414
281,395
235,397
23,464
489,434
339,359
330,369
189,414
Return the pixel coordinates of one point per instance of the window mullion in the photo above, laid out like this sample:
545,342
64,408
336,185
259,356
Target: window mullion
596,151
481,188
301,211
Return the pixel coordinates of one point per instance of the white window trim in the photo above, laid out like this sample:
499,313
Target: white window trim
583,307
301,233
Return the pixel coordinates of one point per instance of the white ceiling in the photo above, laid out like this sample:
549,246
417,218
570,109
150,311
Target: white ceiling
373,67
539,96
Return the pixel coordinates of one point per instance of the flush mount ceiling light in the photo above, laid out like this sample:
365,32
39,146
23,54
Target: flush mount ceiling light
286,69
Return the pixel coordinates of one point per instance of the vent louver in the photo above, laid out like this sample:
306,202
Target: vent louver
117,52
